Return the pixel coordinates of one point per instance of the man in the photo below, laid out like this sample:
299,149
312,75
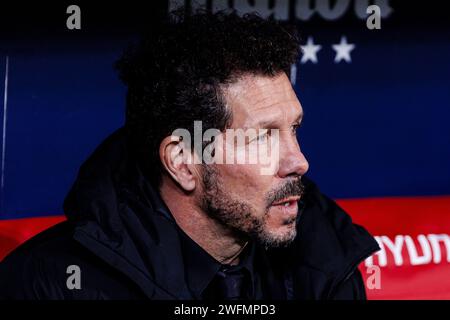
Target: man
149,217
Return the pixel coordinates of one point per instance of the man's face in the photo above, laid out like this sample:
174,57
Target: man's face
239,195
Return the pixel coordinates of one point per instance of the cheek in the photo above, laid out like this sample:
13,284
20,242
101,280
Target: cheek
245,182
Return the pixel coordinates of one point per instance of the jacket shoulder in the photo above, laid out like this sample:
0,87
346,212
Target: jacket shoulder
52,266
31,270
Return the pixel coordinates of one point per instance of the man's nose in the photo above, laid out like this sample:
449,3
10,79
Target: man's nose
292,160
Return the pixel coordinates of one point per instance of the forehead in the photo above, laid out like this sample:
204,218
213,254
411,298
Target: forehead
262,99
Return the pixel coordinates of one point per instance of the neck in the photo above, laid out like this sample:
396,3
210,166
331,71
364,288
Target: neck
219,241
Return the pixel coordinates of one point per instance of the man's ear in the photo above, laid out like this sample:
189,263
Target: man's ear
177,160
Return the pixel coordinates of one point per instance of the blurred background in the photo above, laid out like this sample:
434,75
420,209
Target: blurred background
376,130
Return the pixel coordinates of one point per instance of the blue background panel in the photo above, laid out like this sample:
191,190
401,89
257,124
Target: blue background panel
375,127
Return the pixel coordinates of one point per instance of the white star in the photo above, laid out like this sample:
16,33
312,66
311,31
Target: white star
310,51
343,50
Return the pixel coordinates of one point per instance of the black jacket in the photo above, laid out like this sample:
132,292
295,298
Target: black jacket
127,249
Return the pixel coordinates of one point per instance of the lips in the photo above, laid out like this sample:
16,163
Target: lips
286,201
285,211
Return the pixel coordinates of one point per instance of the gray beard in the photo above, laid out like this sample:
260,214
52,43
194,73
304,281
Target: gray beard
240,217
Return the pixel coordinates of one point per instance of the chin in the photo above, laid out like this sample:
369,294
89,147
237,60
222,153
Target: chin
281,237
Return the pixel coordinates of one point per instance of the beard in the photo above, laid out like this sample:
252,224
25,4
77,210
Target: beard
240,217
